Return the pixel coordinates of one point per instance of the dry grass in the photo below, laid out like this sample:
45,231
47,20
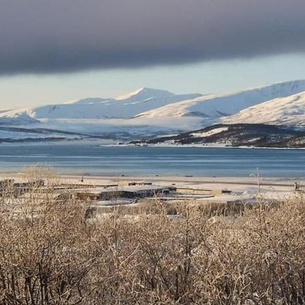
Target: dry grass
50,254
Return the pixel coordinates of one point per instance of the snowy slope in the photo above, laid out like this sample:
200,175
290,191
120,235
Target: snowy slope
281,111
125,107
16,117
213,107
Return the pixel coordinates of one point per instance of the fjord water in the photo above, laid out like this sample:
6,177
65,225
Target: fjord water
90,158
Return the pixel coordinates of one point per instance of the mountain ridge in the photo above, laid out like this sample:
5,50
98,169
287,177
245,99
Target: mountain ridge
148,112
217,105
145,92
289,111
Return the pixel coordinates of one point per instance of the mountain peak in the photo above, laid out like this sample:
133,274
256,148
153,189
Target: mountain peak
145,93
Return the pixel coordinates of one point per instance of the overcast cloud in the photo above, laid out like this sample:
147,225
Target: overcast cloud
51,36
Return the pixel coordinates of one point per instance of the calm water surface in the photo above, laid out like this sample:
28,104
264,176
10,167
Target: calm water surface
90,158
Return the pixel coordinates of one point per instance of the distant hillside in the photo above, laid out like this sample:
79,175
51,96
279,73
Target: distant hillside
251,135
287,111
216,106
124,107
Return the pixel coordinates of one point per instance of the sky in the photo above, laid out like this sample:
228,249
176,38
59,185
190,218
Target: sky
54,51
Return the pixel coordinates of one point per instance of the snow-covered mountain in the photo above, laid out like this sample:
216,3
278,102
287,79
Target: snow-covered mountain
288,111
124,107
149,112
17,117
213,107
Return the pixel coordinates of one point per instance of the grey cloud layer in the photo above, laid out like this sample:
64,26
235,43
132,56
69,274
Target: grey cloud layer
53,36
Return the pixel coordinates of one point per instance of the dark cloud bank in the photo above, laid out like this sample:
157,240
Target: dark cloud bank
50,36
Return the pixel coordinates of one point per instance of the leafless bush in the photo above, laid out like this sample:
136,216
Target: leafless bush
51,254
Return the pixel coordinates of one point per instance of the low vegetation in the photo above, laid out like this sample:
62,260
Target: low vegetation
235,135
51,253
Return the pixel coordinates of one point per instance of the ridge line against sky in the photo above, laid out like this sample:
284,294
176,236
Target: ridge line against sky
111,47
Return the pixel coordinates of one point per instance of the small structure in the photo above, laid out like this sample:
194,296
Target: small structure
199,191
144,191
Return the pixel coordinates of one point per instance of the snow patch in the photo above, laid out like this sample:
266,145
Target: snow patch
145,93
208,133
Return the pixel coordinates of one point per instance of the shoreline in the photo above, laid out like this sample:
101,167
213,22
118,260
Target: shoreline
113,143
247,180
208,145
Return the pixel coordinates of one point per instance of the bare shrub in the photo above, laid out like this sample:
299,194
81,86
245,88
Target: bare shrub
51,254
